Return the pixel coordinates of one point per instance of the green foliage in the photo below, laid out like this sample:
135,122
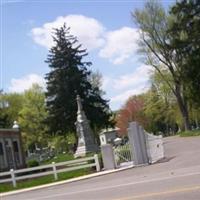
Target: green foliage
195,115
10,106
32,163
161,106
71,140
190,133
62,157
185,41
60,144
170,43
32,117
160,113
68,77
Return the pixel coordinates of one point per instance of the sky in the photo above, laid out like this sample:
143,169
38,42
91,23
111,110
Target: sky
104,27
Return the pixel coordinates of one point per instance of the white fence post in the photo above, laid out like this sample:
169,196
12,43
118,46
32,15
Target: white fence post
54,171
96,159
13,177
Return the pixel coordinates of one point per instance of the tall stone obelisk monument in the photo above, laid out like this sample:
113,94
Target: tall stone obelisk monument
86,142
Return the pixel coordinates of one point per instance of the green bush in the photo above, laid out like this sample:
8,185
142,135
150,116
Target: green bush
59,143
190,133
32,163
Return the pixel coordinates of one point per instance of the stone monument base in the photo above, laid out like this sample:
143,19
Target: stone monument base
82,150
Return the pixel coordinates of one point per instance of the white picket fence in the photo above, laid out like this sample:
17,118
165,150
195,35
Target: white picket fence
53,168
123,154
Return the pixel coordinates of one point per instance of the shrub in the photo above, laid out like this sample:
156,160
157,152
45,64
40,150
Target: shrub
190,133
32,163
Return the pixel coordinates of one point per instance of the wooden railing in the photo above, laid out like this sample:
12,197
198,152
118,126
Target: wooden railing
53,168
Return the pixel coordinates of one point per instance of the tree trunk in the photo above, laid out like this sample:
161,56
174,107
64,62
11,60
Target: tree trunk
183,107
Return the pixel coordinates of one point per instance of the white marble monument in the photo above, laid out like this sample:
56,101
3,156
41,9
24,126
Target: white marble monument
86,142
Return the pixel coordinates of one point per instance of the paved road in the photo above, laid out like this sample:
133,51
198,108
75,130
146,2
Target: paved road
178,178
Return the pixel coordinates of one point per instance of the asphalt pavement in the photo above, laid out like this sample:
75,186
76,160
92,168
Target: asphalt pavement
177,177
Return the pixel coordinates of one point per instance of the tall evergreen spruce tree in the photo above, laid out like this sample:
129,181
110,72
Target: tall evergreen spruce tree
68,77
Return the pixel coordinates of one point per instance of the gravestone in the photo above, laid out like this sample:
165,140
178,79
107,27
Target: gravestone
86,142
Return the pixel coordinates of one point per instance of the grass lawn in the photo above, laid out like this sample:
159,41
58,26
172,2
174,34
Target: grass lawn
190,133
63,158
59,158
5,187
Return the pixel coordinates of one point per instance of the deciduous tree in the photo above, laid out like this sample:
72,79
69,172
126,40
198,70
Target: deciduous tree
156,44
32,117
131,111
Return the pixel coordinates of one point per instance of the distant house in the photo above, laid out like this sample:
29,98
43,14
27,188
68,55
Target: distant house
108,136
11,151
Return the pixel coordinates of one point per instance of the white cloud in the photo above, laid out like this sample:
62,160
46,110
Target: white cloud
122,97
24,83
117,46
127,85
138,77
120,45
88,31
105,82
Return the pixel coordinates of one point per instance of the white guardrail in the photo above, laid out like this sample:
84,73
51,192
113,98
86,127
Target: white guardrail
53,168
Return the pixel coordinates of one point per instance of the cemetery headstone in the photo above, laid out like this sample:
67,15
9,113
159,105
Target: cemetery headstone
86,142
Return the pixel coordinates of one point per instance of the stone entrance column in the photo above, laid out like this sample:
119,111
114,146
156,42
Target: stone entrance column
108,157
138,143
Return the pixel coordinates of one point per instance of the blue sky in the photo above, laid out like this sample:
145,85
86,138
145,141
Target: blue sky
105,28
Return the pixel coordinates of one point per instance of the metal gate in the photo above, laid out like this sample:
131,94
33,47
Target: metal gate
123,155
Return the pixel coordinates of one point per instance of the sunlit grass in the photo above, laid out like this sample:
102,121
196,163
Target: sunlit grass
190,133
5,187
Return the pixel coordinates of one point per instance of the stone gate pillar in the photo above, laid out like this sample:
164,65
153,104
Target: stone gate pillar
138,143
108,156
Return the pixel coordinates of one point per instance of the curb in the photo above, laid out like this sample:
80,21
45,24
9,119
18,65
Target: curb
66,181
